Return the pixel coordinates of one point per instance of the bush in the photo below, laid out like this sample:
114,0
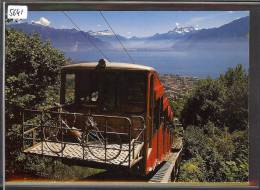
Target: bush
214,158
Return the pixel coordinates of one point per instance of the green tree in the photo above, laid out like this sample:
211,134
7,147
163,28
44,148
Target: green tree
177,105
235,114
222,101
31,81
204,104
215,116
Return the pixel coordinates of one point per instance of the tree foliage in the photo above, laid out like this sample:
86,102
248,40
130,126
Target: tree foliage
177,106
215,116
219,157
235,114
223,101
32,71
31,81
205,104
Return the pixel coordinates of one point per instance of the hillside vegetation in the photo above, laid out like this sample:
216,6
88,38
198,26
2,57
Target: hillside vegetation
215,118
32,81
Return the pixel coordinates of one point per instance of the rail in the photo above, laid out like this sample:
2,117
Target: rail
169,170
36,123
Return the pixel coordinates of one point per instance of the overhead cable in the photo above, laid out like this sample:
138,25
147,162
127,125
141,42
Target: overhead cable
87,37
122,45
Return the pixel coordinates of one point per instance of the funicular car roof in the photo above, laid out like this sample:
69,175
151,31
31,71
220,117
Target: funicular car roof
108,66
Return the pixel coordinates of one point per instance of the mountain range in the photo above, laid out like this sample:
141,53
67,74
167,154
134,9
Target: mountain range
179,38
65,39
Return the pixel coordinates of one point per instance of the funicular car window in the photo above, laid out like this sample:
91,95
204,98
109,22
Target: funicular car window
108,91
97,88
135,90
87,88
70,88
135,93
111,91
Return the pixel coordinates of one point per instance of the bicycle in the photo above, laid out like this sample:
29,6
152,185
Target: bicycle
90,137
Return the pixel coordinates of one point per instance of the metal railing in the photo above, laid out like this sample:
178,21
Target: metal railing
34,126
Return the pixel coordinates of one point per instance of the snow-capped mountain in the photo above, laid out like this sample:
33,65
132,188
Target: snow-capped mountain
183,30
106,35
173,34
235,31
101,33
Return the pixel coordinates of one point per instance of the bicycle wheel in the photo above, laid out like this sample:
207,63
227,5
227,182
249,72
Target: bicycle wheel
103,146
52,135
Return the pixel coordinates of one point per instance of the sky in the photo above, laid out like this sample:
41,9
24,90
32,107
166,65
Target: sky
135,23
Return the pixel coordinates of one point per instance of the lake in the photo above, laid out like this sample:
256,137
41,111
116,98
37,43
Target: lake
196,63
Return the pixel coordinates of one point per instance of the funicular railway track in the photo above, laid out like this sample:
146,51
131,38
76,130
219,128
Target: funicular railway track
169,169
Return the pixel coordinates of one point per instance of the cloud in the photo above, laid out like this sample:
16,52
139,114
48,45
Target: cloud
230,12
42,21
177,24
99,25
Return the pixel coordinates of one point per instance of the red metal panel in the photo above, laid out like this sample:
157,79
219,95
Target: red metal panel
158,88
151,159
165,103
160,143
166,144
169,111
161,146
171,116
164,140
169,142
